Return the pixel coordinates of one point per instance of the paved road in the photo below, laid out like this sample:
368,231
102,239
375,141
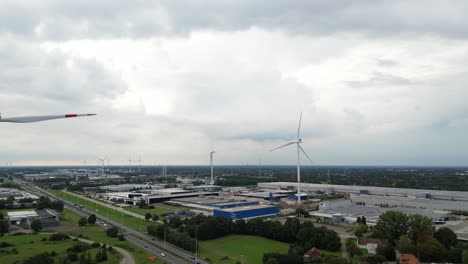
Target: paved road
154,246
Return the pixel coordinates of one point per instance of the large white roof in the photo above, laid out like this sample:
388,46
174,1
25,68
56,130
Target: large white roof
21,213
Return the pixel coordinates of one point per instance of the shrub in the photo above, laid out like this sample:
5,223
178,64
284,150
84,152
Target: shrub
5,244
80,247
95,245
58,237
72,256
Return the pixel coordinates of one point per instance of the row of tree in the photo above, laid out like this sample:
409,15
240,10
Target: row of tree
304,236
415,234
45,202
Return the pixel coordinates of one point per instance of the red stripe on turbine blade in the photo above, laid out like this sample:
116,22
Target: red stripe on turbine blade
70,115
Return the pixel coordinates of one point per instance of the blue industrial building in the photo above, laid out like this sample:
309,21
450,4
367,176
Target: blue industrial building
304,196
233,204
247,212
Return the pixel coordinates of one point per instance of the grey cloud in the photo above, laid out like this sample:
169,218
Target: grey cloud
386,63
28,71
379,79
57,20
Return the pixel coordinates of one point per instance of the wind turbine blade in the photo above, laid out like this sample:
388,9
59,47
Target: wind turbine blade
299,127
290,143
30,119
305,154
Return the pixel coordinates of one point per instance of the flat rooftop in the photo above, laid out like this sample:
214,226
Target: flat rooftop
244,208
373,212
370,189
22,213
180,195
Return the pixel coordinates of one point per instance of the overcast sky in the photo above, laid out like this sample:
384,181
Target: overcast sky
378,82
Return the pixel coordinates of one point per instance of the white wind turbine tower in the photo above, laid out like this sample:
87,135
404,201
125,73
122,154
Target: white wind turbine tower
102,160
108,164
298,142
139,164
211,167
84,167
129,165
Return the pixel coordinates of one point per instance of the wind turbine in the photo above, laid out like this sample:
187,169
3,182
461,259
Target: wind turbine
129,165
139,164
211,166
30,119
298,142
102,160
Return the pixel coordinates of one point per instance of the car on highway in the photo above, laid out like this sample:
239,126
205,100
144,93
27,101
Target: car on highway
163,255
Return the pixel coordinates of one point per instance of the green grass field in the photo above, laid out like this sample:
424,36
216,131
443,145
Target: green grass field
251,247
30,245
131,221
159,209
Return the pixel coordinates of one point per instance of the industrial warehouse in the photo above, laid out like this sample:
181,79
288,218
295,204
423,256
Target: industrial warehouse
369,195
347,211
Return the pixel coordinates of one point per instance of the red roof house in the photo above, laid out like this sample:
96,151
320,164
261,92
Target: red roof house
312,253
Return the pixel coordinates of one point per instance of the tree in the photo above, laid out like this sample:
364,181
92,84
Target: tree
301,212
417,224
112,232
391,225
374,259
175,222
10,201
104,252
36,225
405,245
92,219
4,225
446,237
57,205
465,257
363,220
353,250
387,251
455,255
147,216
430,250
360,230
155,217
82,221
330,259
42,258
44,202
141,204
271,261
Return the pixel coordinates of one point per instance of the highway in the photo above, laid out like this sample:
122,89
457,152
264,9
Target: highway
149,244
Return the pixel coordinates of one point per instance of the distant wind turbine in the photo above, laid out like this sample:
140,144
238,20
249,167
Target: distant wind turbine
139,164
298,142
211,167
31,119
